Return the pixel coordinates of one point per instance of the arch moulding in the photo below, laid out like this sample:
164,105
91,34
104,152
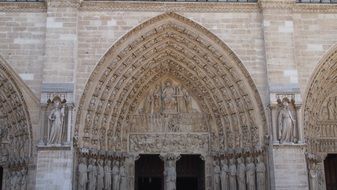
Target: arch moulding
169,48
320,109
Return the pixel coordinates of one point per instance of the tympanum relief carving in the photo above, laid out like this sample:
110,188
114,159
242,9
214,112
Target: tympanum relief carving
326,126
168,107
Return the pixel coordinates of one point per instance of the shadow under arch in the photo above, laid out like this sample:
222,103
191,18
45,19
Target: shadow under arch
170,45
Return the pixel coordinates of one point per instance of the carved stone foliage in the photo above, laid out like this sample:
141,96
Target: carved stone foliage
122,88
15,126
320,115
166,143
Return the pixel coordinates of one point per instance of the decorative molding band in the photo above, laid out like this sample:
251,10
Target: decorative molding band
63,3
23,6
168,6
315,8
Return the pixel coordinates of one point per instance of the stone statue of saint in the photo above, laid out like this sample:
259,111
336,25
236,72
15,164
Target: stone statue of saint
224,175
107,175
92,174
170,176
115,175
23,183
232,174
148,104
181,100
313,177
216,175
56,123
82,174
157,99
285,124
15,181
123,177
331,108
169,98
100,175
250,174
241,170
260,174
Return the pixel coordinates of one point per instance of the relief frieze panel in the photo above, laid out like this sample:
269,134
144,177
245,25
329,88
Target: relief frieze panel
195,143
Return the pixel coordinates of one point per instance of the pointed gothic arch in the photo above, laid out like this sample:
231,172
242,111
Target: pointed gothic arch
16,128
320,106
170,45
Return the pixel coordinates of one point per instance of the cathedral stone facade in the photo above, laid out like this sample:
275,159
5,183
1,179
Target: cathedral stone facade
178,95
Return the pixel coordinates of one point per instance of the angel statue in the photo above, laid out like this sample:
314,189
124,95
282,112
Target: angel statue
286,124
55,123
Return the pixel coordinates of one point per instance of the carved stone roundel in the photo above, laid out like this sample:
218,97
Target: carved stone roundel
171,47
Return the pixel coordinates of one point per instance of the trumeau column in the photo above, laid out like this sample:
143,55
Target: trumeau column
170,173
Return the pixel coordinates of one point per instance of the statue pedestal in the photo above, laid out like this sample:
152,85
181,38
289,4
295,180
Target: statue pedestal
54,168
290,169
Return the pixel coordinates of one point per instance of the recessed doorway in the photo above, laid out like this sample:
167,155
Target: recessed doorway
149,173
190,173
330,167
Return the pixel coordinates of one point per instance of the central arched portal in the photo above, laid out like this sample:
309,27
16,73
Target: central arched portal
169,87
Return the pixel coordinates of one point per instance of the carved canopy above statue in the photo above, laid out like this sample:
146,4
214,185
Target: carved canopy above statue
169,75
320,114
15,125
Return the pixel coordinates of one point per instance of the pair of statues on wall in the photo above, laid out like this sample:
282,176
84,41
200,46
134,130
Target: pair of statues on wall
102,174
286,120
239,174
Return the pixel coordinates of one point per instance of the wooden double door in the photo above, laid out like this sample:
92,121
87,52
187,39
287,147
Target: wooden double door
330,167
150,168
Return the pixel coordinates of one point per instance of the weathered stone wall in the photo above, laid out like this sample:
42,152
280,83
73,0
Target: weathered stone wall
278,41
22,44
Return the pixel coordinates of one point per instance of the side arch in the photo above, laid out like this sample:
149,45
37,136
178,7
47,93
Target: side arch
170,45
320,106
15,122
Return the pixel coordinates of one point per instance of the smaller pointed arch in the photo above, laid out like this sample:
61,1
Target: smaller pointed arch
320,105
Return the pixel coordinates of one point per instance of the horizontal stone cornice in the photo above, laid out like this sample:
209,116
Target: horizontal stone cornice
168,6
23,6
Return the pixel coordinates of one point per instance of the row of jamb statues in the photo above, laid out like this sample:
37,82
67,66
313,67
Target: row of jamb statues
102,174
17,179
241,173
